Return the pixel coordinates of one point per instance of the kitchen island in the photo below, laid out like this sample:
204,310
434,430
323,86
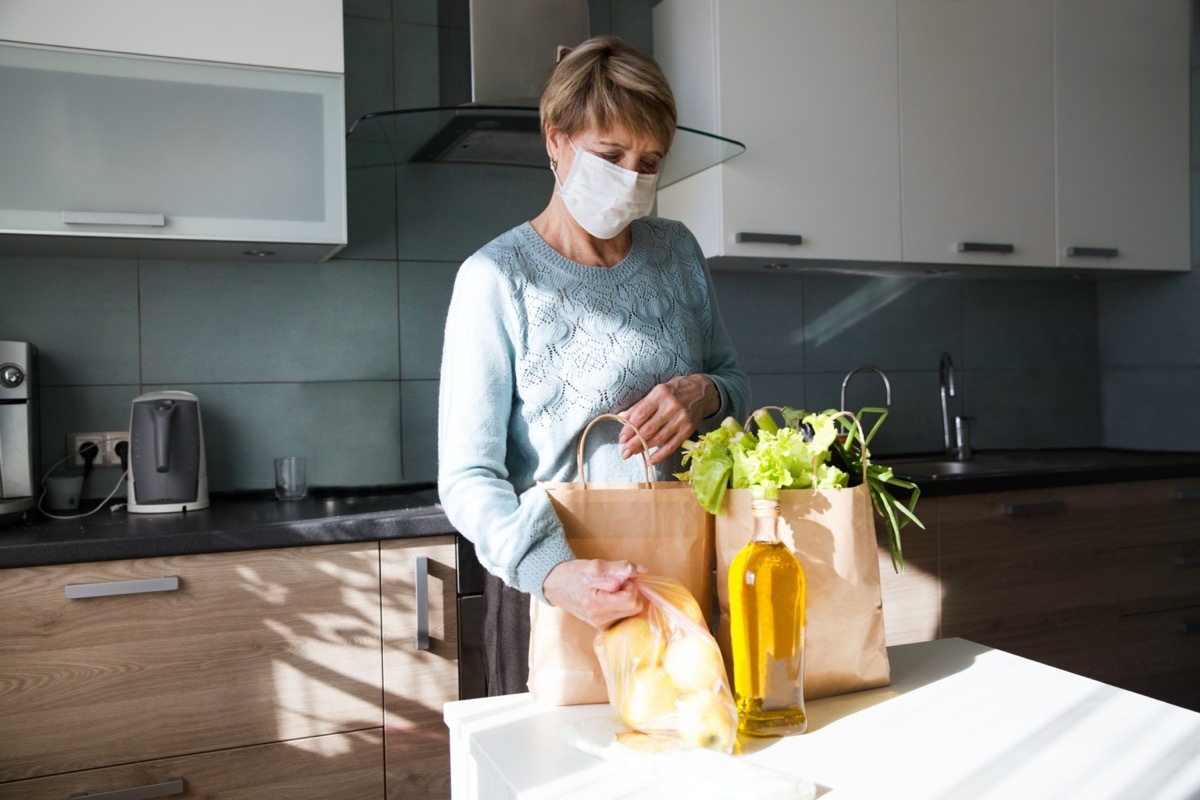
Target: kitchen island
959,720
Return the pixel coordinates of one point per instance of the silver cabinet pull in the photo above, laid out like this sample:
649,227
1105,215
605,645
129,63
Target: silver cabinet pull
421,584
1187,561
1093,252
113,218
1185,494
1189,627
149,792
1034,509
768,238
984,247
79,591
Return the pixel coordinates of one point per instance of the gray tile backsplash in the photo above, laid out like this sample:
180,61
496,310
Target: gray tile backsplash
419,404
339,361
81,313
368,57
425,289
445,212
894,323
220,323
348,430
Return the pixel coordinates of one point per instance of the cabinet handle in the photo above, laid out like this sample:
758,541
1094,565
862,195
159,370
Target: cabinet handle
984,247
174,786
1034,509
113,218
79,591
1187,561
421,582
1185,494
1093,252
1189,627
768,238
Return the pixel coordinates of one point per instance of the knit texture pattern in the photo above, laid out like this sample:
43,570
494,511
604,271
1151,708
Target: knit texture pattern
536,347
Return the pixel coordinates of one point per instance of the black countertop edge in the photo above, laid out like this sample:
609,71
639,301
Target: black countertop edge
977,484
256,520
231,523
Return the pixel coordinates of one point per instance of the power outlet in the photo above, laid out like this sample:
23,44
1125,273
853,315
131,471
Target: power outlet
106,442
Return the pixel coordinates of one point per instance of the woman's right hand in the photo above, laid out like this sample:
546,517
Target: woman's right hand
597,592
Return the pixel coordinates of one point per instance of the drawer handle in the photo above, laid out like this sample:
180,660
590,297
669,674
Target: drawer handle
768,238
1189,627
421,582
984,247
1185,494
113,218
1093,252
174,786
1034,509
1187,561
79,591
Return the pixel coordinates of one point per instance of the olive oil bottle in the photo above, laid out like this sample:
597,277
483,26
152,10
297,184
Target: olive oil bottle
766,608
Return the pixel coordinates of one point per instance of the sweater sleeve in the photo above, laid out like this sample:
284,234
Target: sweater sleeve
517,536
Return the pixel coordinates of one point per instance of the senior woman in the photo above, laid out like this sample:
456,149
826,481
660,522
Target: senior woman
590,308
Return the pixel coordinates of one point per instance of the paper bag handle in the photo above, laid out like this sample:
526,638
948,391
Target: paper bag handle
579,465
849,415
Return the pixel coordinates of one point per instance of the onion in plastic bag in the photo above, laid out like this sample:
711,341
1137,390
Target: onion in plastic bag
664,671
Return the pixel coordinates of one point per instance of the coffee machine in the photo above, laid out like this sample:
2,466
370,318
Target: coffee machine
18,428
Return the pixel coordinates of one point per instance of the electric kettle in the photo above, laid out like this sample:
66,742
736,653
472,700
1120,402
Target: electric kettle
167,469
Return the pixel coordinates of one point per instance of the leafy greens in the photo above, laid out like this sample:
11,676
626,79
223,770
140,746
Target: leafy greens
808,451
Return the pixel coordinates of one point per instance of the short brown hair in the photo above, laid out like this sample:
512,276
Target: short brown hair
605,82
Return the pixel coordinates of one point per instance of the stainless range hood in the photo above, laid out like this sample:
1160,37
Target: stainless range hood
514,47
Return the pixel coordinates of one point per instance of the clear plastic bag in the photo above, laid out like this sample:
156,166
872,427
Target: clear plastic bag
664,671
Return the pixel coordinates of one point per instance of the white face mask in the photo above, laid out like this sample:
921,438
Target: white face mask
603,197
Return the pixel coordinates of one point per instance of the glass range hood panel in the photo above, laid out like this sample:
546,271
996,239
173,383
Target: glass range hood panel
504,135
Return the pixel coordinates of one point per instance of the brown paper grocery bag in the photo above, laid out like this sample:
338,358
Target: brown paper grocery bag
832,533
657,524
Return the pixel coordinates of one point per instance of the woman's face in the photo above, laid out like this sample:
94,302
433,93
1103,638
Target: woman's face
617,145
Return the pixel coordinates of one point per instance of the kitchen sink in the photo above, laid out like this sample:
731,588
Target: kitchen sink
1022,462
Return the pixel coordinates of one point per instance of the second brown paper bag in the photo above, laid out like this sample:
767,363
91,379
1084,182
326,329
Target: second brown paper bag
657,524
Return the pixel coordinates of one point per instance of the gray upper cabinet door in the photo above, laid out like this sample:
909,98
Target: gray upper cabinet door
809,86
977,131
114,154
1121,150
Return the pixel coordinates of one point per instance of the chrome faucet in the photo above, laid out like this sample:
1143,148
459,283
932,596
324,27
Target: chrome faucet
887,385
957,445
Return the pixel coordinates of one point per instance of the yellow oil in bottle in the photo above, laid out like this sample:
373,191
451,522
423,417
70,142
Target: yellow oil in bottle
766,606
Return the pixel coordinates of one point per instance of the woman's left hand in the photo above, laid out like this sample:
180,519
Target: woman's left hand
668,415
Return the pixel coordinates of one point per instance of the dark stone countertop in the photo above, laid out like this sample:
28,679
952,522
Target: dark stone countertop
241,521
254,521
1013,470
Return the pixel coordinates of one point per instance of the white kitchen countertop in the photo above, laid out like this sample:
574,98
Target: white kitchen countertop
959,720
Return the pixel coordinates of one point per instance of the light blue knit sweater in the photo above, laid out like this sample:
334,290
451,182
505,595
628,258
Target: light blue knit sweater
536,347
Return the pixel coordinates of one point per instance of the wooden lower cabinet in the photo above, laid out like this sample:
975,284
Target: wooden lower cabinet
1160,591
123,662
341,765
912,598
420,663
1101,580
1034,573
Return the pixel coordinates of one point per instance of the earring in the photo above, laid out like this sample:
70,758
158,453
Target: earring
553,164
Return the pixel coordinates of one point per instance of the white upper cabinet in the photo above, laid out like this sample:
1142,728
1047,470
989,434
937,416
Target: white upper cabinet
1121,83
135,145
289,34
977,131
809,87
941,132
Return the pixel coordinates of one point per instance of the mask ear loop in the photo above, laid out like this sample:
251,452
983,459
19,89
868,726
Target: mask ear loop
554,164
